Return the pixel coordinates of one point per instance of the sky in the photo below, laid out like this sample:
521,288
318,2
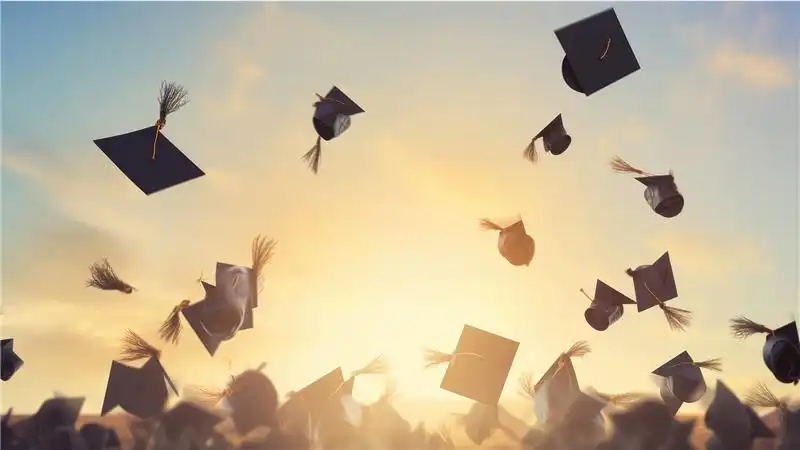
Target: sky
381,252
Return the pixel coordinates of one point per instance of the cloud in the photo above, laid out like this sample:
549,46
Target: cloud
762,71
714,256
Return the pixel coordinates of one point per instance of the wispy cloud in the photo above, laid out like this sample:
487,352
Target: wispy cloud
760,70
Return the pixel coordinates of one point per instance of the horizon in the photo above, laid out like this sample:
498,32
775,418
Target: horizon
381,253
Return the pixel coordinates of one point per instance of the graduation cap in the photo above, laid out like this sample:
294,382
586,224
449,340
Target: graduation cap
733,423
104,278
479,366
227,307
141,391
8,436
655,285
606,307
98,437
146,156
682,379
190,419
252,399
480,422
649,422
555,138
9,360
598,53
583,419
331,119
514,243
781,349
661,192
53,414
557,388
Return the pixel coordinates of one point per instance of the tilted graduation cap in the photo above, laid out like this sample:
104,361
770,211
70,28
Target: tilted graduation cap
252,400
514,243
597,53
655,285
682,379
10,362
98,437
190,419
606,307
733,423
478,367
53,414
555,139
331,119
146,156
227,308
661,192
555,391
141,391
781,349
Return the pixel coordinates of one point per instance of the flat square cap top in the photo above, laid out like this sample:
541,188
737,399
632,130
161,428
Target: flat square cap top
344,105
480,365
606,295
681,365
556,391
132,153
188,417
788,332
598,53
553,129
657,180
317,395
654,282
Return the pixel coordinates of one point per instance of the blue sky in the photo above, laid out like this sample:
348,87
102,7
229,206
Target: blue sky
383,243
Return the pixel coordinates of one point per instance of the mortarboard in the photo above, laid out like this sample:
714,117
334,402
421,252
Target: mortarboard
555,391
189,418
682,378
10,362
661,192
54,413
555,138
146,156
781,351
211,326
732,422
597,53
331,119
98,437
479,366
253,401
655,285
649,421
585,408
141,391
606,307
515,245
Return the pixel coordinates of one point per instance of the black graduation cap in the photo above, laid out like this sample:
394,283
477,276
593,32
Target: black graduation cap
781,351
10,362
682,379
8,435
141,391
733,423
598,53
98,437
661,192
146,156
514,243
479,366
189,418
331,119
606,307
655,285
216,318
555,138
252,400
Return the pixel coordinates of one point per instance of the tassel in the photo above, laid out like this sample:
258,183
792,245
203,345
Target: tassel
530,152
762,397
312,156
742,328
527,385
104,278
435,358
621,400
677,318
629,272
377,366
487,224
170,330
578,350
619,165
261,252
587,295
135,348
714,365
171,98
